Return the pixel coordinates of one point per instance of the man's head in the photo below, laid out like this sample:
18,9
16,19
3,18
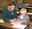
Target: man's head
11,6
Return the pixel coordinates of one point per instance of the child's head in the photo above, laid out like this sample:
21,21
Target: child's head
23,11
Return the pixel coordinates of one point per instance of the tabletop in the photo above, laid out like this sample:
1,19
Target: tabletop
10,25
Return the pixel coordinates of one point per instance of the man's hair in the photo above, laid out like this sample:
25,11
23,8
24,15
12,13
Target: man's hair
11,3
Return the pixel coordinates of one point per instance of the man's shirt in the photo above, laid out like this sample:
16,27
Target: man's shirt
7,15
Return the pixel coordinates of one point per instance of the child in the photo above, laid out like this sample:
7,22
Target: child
23,18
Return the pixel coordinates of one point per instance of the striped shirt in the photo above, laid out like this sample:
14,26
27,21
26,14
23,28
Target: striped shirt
24,18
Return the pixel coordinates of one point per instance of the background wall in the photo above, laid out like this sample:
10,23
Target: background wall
4,3
28,2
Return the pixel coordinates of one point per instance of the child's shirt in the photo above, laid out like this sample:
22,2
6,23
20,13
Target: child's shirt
24,18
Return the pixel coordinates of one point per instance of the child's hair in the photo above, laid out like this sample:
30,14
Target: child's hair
23,9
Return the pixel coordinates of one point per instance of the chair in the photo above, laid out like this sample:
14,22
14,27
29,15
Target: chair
27,27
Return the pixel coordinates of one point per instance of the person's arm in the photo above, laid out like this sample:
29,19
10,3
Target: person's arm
28,19
19,19
4,16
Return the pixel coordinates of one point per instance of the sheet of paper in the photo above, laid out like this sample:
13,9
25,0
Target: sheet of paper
1,20
17,25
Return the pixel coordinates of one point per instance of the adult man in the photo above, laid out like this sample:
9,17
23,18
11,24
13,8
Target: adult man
9,13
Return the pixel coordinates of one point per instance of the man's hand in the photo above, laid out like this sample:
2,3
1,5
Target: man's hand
12,21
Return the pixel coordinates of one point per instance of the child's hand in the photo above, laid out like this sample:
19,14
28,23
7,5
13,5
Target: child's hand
19,21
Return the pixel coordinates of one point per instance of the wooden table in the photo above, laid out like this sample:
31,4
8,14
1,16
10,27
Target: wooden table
10,25
6,24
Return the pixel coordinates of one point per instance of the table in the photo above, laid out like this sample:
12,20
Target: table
8,25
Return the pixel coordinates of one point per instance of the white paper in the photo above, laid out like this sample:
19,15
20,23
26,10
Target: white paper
17,25
1,20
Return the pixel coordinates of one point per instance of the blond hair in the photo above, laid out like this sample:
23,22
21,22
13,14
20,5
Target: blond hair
23,9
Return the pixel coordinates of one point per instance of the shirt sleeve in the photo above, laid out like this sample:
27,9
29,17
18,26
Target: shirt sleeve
28,19
4,16
19,18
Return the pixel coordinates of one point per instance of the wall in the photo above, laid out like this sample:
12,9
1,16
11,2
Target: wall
28,1
4,3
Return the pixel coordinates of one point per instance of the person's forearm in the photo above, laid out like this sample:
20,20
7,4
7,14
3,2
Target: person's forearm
6,19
